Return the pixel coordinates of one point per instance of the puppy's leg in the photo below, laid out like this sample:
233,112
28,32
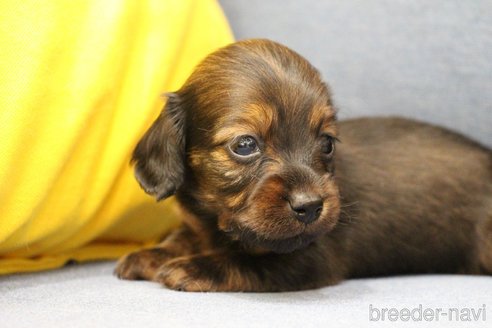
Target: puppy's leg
143,264
238,271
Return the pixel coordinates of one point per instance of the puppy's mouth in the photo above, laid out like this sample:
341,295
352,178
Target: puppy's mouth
251,239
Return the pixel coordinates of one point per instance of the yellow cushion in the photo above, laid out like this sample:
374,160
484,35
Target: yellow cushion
79,84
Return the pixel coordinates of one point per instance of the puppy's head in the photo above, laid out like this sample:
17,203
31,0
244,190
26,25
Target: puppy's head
247,144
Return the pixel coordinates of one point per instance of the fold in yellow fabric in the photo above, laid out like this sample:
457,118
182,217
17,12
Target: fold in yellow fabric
79,84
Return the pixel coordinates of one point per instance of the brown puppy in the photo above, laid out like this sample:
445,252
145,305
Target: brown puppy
247,145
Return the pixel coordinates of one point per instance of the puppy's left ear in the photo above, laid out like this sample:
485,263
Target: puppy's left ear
159,155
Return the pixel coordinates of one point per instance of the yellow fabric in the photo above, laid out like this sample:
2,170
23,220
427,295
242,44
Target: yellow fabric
79,84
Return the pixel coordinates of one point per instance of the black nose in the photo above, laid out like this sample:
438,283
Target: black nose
306,208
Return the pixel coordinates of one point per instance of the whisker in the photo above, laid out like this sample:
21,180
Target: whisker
349,204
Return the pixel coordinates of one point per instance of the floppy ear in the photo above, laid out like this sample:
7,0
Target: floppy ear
159,155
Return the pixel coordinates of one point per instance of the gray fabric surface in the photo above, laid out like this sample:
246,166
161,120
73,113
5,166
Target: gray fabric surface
430,60
89,296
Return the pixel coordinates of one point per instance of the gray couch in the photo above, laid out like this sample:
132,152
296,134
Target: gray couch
429,60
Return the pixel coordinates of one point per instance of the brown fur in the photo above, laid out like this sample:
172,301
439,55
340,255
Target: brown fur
406,197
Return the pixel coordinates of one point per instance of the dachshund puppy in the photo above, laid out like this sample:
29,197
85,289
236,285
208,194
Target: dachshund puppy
273,202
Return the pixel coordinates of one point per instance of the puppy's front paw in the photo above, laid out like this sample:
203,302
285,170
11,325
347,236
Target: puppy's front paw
142,264
197,273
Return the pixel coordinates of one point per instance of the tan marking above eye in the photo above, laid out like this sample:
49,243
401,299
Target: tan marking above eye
226,134
323,118
254,119
329,130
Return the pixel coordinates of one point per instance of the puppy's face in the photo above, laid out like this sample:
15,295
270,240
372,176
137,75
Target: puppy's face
248,144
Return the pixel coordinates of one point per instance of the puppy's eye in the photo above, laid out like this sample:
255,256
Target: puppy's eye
327,145
245,146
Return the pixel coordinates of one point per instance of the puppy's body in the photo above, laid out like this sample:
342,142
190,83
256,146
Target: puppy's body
248,147
414,202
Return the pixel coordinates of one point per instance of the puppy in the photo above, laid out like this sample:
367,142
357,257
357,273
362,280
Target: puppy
273,202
